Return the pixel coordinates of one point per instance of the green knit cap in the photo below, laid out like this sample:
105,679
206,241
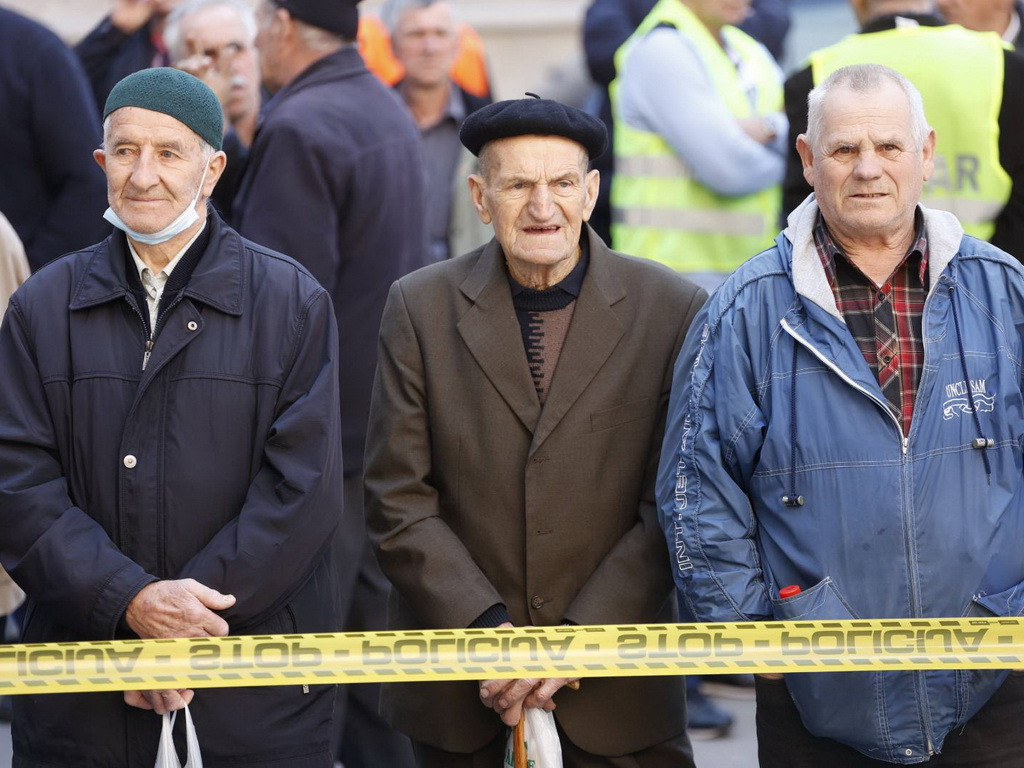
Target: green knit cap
182,96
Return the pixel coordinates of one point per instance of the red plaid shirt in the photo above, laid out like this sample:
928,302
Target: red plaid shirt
885,320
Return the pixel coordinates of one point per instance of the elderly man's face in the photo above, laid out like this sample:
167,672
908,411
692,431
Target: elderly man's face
537,193
426,43
867,169
269,32
220,33
154,166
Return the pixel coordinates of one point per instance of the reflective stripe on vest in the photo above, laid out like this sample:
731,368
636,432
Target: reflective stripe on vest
960,76
659,211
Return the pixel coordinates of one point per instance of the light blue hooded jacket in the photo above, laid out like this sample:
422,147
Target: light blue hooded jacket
772,398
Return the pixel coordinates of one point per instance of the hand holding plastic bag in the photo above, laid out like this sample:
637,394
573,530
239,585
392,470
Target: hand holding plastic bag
534,742
167,756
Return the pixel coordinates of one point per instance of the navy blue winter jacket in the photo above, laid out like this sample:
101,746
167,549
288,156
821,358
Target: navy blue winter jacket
220,461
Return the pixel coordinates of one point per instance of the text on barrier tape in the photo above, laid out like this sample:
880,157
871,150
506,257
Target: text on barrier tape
477,654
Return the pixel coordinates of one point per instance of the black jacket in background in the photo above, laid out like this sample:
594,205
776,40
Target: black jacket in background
51,189
335,180
1009,233
108,56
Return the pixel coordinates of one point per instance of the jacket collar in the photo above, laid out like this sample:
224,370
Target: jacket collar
489,272
217,279
491,331
339,65
944,236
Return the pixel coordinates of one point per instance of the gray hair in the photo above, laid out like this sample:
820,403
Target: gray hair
392,11
172,27
864,79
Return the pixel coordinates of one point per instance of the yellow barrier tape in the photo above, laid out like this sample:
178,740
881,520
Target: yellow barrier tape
476,654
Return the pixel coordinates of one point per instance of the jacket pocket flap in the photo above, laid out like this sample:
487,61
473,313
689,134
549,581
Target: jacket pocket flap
1009,602
621,414
822,601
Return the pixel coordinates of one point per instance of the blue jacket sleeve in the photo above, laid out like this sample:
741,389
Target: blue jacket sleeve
294,502
712,437
59,555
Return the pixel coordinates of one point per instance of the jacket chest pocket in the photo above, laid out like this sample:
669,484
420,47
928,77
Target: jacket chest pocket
637,410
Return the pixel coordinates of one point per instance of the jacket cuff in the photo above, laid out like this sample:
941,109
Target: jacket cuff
494,616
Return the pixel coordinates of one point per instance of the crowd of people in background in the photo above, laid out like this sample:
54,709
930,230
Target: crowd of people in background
370,149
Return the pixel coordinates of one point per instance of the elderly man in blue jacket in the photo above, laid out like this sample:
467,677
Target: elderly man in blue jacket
170,460
846,418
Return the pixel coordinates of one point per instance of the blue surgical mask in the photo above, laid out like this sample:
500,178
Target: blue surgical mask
183,221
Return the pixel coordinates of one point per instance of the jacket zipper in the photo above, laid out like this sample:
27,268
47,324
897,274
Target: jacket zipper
904,446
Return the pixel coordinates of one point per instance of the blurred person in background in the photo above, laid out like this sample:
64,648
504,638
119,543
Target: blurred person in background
609,23
128,39
215,40
468,70
425,42
699,155
335,179
1000,16
50,189
973,89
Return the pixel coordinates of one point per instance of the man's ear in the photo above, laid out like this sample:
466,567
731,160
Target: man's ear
592,186
928,155
803,148
214,169
100,157
476,190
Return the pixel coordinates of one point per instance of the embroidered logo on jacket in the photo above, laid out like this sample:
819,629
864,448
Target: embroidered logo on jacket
958,401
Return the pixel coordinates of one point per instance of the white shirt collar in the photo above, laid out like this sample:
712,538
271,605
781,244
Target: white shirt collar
1011,32
141,266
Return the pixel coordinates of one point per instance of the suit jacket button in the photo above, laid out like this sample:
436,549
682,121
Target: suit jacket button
537,602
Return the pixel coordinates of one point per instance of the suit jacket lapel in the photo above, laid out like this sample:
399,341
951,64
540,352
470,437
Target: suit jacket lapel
491,332
594,333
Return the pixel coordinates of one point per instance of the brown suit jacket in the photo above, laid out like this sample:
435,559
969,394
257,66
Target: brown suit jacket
476,495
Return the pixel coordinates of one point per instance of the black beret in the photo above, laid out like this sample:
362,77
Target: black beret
521,117
173,92
338,16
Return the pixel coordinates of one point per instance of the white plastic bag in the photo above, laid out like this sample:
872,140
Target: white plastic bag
167,756
543,750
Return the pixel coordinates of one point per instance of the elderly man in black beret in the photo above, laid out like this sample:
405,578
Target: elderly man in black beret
514,434
170,460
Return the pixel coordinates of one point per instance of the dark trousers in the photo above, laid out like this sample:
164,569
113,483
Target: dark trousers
991,739
364,739
674,753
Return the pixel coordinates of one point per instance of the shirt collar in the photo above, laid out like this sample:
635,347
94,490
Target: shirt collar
828,249
1011,32
141,266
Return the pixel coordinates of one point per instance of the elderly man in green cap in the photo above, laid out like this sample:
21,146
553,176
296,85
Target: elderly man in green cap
169,448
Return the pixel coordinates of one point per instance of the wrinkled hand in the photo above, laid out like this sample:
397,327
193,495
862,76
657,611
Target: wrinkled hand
183,608
756,129
206,69
509,697
160,702
131,15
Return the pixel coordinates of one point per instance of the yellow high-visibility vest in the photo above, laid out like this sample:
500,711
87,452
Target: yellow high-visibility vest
659,211
960,76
